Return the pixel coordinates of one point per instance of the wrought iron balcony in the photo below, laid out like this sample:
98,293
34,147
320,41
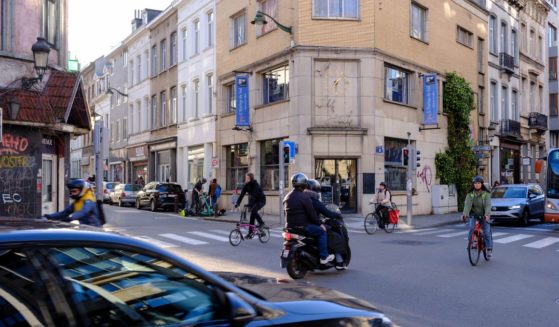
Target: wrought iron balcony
507,62
510,128
538,121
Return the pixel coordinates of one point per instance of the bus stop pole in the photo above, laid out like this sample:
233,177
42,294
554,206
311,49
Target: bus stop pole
281,181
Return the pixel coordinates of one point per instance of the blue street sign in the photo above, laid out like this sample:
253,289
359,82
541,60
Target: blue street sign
430,99
379,149
242,115
292,149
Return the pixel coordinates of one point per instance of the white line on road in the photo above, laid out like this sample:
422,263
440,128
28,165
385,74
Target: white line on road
220,231
211,236
156,242
497,234
416,230
542,243
435,231
453,234
512,238
183,239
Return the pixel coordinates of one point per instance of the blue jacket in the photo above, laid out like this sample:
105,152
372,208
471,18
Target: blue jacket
88,215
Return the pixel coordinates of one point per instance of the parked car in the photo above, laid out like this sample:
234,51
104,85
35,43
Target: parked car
159,195
108,187
517,202
124,194
56,274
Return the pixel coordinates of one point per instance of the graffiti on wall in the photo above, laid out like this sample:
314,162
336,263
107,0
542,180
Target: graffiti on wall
12,144
425,176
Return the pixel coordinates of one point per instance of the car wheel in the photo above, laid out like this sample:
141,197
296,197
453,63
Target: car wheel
525,219
138,205
152,205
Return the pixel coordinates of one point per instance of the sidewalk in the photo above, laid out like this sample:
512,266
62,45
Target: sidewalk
419,221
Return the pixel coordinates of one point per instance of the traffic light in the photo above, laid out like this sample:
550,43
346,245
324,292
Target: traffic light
405,156
286,156
416,158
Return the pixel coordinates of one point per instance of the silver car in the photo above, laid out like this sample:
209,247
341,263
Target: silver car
517,202
124,194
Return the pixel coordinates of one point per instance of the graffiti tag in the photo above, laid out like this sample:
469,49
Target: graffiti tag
425,176
15,161
13,144
11,198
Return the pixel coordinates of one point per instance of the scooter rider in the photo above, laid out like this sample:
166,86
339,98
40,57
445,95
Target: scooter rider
83,207
299,213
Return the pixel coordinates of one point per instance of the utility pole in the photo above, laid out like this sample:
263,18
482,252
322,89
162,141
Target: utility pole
98,152
409,173
281,179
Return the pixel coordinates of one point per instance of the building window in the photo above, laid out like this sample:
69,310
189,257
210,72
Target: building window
146,64
113,132
494,114
174,105
532,97
395,172
523,35
138,68
396,84
503,37
173,50
553,104
153,60
551,36
184,106
131,74
493,34
210,93
336,9
552,68
132,121
196,98
276,84
211,29
163,55
196,37
480,56
514,46
540,99
532,43
230,99
184,43
163,107
480,100
124,128
237,165
238,32
418,22
51,21
153,111
268,7
269,165
117,131
514,105
505,102
464,37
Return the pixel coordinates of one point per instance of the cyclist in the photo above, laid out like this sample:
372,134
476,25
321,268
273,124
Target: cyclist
256,201
478,206
83,207
383,199
299,213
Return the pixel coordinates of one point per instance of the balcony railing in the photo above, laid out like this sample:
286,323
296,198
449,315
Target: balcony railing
510,128
507,62
538,121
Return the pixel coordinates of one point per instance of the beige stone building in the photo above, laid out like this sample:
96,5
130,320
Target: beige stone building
346,86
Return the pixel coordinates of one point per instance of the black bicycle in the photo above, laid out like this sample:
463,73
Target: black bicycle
373,221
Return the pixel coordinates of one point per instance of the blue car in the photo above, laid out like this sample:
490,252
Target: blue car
57,274
517,202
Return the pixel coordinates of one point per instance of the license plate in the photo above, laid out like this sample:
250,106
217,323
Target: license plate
285,253
172,195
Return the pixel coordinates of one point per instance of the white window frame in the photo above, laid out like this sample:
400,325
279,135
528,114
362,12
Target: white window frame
238,30
196,28
422,32
210,16
329,15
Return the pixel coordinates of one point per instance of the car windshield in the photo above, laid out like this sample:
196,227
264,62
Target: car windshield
111,185
132,188
508,192
170,188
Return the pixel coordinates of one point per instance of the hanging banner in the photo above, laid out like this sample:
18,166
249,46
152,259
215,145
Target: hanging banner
242,115
430,99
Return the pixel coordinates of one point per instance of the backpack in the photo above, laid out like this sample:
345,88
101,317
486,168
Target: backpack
218,191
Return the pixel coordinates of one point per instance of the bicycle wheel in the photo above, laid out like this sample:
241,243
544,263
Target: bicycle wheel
484,250
371,223
389,228
474,250
264,235
235,237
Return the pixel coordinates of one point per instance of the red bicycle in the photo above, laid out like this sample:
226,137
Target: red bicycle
243,230
476,244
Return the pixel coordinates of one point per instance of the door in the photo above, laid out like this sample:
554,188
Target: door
49,183
537,204
339,183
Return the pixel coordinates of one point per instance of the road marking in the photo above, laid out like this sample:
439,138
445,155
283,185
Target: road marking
219,231
156,242
512,238
453,234
435,231
542,243
416,230
183,239
497,234
274,233
211,236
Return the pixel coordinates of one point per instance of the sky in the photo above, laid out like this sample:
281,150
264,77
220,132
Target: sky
95,27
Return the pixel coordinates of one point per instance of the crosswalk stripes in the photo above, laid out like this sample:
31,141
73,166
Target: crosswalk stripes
416,230
453,234
157,242
542,243
183,239
210,236
444,230
497,234
512,238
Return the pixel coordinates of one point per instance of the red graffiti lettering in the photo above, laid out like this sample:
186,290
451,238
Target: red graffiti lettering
13,144
426,176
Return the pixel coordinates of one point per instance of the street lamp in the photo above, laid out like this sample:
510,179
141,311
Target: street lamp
14,109
260,20
41,50
111,90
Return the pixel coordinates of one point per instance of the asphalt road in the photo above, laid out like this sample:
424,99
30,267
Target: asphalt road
417,277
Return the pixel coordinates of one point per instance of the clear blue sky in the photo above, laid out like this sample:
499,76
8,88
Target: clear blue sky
95,27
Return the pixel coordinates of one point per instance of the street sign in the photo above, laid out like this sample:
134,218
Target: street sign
479,155
480,148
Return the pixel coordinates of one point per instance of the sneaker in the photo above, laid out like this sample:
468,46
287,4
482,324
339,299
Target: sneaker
327,259
340,266
489,253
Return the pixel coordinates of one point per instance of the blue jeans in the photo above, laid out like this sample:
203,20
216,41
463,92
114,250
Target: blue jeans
486,231
317,231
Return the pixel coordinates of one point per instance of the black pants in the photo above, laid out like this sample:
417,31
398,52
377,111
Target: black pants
195,202
254,213
382,212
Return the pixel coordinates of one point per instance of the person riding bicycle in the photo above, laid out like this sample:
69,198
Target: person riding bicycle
256,200
383,199
83,207
478,206
300,214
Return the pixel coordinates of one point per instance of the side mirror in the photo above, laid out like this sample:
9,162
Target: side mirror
240,312
531,196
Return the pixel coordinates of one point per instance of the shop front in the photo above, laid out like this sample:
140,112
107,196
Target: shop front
339,182
117,171
138,164
509,163
163,158
195,165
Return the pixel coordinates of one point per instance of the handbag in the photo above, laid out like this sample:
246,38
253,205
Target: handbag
393,216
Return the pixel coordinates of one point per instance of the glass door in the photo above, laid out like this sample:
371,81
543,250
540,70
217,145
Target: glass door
48,181
339,183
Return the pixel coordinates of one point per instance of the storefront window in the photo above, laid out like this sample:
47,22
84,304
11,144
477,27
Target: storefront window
237,165
164,165
394,171
339,185
195,165
269,165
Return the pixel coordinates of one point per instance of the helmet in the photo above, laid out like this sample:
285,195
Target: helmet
299,180
314,185
76,183
478,179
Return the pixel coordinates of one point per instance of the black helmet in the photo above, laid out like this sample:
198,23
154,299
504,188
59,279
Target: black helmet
478,179
299,180
76,183
314,185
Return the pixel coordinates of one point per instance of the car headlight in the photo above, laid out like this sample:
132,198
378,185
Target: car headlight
551,205
514,207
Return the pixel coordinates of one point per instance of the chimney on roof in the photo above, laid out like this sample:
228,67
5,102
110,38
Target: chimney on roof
137,20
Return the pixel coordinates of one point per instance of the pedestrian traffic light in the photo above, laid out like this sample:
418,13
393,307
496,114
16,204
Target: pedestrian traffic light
416,158
405,156
286,156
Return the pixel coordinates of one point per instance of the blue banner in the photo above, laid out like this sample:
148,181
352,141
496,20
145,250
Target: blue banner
430,99
242,115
